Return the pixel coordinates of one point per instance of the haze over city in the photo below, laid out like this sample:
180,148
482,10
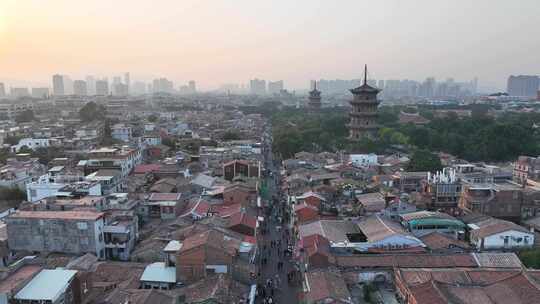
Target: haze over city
216,42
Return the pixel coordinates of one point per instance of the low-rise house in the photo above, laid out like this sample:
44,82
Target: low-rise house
203,182
55,286
32,143
423,222
441,191
374,234
18,173
15,278
49,185
437,242
363,160
138,296
197,209
409,181
326,286
502,200
123,159
240,193
490,233
120,234
111,180
371,203
311,198
243,223
219,289
73,232
158,276
396,208
121,132
162,205
304,213
245,168
209,252
526,169
164,185
314,252
467,286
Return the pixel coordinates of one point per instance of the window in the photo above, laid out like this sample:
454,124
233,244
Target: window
82,226
84,241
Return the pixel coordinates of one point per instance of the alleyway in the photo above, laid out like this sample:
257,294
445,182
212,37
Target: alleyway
273,247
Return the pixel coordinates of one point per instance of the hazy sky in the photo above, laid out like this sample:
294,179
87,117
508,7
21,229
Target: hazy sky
223,41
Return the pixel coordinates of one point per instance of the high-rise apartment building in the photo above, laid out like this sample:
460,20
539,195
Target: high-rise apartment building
90,85
138,88
19,92
102,87
120,89
257,87
68,85
127,82
192,86
274,87
40,92
2,90
162,85
79,88
523,85
58,85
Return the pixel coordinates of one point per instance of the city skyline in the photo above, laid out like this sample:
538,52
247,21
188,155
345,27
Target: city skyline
299,41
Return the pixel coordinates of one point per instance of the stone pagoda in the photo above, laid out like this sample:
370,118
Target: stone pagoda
363,115
314,98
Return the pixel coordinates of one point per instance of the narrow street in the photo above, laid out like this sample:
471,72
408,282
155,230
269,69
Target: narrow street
276,269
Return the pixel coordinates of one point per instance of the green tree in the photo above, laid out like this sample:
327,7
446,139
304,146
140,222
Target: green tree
107,139
91,112
169,142
153,118
11,195
25,116
423,160
45,155
231,135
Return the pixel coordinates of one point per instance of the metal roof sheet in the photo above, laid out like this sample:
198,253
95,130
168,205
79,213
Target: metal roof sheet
158,272
49,284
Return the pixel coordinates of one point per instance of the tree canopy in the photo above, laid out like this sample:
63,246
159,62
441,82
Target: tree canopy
25,116
423,160
91,112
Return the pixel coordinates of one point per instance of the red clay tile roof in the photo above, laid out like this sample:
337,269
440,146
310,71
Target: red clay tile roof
224,210
242,218
165,196
436,241
63,215
407,260
142,169
212,239
324,284
468,286
494,226
18,278
427,293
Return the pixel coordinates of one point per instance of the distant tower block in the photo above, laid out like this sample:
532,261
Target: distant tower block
314,98
363,116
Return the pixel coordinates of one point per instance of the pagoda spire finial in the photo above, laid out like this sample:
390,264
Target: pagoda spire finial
365,74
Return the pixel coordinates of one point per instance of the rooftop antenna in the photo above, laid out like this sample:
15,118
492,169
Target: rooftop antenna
365,74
